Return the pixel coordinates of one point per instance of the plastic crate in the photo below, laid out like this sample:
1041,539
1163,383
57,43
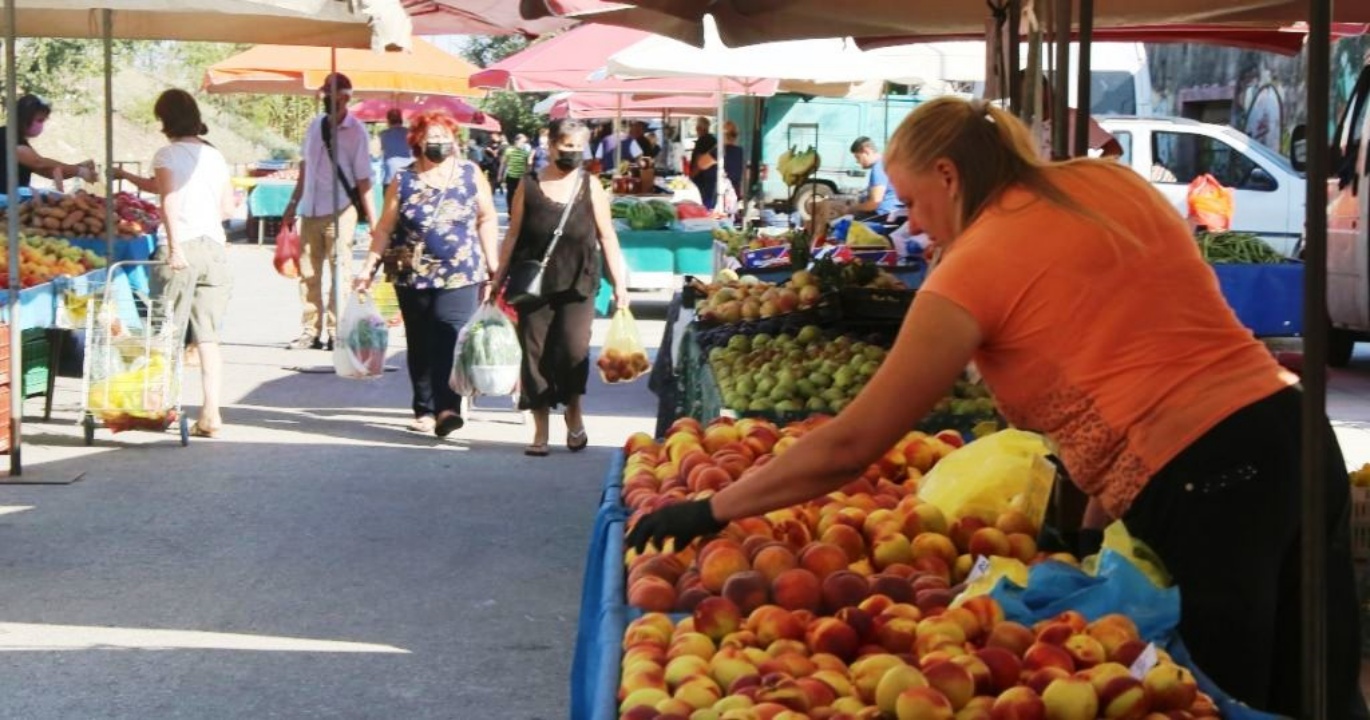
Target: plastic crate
1360,523
873,304
36,362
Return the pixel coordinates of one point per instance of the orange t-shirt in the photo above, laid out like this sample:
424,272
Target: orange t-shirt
1121,350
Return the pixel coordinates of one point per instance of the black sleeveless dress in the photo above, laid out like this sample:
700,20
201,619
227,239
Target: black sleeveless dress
556,334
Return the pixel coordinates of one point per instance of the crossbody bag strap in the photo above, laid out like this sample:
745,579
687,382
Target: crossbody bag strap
326,130
565,213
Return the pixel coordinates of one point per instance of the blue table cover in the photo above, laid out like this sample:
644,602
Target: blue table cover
1268,299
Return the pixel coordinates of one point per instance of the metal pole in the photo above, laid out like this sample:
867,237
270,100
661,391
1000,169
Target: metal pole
338,259
107,19
1060,106
12,232
1015,29
1083,82
1314,494
618,137
718,147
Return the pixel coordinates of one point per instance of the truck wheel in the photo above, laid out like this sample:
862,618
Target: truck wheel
1340,345
809,195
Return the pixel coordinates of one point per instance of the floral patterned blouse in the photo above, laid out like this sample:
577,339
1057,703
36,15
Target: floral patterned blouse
440,226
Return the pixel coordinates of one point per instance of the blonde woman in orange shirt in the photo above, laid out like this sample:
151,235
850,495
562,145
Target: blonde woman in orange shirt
1081,297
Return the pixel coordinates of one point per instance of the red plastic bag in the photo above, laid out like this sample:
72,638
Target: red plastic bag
1210,204
287,260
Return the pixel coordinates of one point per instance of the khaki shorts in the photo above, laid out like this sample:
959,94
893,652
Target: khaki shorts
197,295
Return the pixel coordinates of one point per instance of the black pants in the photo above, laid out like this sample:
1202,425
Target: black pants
1225,517
556,351
432,319
511,185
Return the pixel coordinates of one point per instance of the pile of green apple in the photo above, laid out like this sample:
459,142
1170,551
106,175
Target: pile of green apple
804,372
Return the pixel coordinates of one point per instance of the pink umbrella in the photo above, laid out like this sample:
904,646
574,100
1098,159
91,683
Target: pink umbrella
598,105
375,109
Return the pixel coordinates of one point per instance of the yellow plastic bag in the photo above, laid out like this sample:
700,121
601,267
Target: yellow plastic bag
1005,471
623,358
1120,541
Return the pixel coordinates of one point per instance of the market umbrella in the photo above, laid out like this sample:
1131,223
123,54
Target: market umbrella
584,105
484,17
1289,40
295,70
375,110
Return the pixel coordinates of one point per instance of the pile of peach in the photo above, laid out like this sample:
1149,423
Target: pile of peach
874,536
883,659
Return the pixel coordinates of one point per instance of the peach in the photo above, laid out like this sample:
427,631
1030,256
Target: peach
733,463
867,672
728,665
989,542
895,634
952,680
1040,680
823,559
690,598
934,545
787,663
753,544
818,693
834,637
644,654
641,676
748,590
717,566
879,522
739,639
641,712
1043,655
716,617
1071,699
979,671
896,680
797,589
964,529
929,520
639,442
733,702
660,621
1018,703
1170,687
683,668
926,581
652,593
901,570
933,649
862,568
772,559
781,689
717,436
1128,652
895,588
933,601
986,610
698,692
923,704
1085,651
859,620
847,538
772,622
836,680
691,643
1004,668
1054,632
646,634
1112,631
1123,697
785,646
1022,547
890,550
1013,521
646,697
961,570
877,604
920,453
843,589
1075,620
969,623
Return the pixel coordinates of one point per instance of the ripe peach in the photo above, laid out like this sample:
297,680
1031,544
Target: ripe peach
927,581
876,604
952,680
717,566
895,588
1170,687
985,609
867,672
728,665
933,601
688,599
862,568
1123,697
818,693
969,623
698,692
1071,699
901,570
891,549
1112,631
895,634
646,697
923,704
1019,703
1085,651
1011,637
1054,632
652,593
748,590
962,530
772,622
896,680
934,545
1022,547
823,559
716,617
847,538
717,436
859,620
1004,668
1040,680
797,589
834,637
787,646
683,668
1128,652
1075,620
792,664
640,634
929,520
843,589
691,643
989,542
979,671
644,654
639,442
836,680
1042,655
773,559
1013,521
740,639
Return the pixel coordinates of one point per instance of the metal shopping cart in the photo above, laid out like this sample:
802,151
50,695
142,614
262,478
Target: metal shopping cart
133,368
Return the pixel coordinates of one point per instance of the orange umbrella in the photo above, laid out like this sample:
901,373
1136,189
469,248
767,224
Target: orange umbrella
286,70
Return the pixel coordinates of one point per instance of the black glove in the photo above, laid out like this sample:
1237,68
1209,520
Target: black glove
683,522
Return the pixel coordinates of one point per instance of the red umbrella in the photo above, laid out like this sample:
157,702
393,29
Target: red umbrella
375,110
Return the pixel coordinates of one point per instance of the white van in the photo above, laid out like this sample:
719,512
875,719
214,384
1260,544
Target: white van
1170,152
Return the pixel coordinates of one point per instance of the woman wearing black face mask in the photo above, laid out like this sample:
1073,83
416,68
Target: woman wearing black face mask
556,333
437,234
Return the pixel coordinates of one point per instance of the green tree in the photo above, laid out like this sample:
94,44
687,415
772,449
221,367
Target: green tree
58,69
514,110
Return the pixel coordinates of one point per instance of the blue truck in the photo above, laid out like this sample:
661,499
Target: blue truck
829,124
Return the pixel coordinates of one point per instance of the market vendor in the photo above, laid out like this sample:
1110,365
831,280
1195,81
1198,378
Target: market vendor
1113,339
32,115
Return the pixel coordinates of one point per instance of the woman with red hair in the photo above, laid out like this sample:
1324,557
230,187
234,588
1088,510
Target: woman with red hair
438,237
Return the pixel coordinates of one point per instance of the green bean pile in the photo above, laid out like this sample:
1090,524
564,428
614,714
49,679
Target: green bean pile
1236,247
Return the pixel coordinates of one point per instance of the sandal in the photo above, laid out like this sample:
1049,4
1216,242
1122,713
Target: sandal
425,424
447,424
536,450
577,440
200,430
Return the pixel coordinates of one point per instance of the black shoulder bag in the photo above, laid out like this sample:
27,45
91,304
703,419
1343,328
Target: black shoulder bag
523,283
326,129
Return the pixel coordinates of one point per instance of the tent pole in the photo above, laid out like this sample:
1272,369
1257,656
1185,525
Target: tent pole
618,139
1060,106
16,368
718,145
1015,28
1083,82
107,20
338,258
1314,493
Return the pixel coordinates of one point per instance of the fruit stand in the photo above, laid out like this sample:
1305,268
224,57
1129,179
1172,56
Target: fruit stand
891,594
662,240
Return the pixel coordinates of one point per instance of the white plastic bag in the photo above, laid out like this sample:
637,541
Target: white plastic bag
488,358
361,340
